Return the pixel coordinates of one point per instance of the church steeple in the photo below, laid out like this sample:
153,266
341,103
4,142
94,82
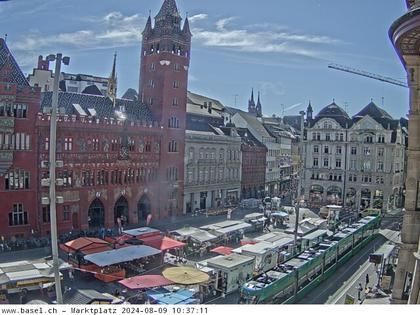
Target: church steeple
259,107
251,104
309,111
112,82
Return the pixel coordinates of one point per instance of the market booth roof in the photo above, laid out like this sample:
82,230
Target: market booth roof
86,245
162,242
145,282
185,275
166,297
121,255
222,250
142,232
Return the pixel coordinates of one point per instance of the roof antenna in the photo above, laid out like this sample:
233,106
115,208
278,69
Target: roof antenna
346,106
5,38
383,101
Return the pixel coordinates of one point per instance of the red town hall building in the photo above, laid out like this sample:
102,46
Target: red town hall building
121,158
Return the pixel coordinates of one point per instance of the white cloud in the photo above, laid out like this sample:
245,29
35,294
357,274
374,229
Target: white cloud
198,17
265,38
109,31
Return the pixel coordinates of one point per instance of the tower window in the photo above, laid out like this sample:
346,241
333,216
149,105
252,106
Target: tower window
173,122
151,83
152,67
177,67
175,101
173,146
176,84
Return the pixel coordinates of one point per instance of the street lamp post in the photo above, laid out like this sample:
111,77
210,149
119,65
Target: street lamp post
52,165
297,210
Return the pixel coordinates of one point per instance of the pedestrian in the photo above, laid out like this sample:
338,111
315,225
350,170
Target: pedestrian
71,276
359,292
367,280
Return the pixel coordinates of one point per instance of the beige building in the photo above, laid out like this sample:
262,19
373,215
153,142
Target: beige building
358,162
212,157
405,35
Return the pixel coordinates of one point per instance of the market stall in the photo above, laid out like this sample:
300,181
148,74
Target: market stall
28,275
232,271
113,265
85,246
234,233
256,220
265,254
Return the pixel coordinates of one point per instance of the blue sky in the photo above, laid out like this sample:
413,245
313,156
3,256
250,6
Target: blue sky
280,47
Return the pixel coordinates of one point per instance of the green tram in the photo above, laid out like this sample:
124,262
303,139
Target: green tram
292,280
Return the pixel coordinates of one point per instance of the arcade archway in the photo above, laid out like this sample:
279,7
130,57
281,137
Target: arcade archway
144,208
365,197
121,210
334,195
96,214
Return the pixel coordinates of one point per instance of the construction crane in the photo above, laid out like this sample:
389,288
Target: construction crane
367,74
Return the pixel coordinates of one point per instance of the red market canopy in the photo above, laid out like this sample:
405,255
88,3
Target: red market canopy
246,242
222,250
145,282
162,242
86,245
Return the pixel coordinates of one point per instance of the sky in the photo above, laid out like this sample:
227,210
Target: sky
281,48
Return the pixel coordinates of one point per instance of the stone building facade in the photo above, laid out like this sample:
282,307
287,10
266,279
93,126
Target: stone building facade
357,162
405,34
212,169
121,158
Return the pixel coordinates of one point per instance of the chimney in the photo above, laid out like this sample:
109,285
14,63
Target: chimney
209,108
43,64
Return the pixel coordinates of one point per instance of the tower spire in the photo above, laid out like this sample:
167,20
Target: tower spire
259,107
112,82
186,29
148,27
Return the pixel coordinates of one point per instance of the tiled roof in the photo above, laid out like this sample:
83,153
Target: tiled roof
254,123
130,94
92,90
201,99
248,138
373,111
83,297
9,69
103,105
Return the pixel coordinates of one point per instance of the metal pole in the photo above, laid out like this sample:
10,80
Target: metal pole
53,211
296,226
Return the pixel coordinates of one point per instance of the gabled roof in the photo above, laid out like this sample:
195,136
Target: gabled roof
378,114
248,138
9,69
198,99
130,94
254,123
293,121
92,90
373,111
103,106
86,296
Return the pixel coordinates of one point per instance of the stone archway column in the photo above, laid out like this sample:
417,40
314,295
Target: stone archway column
415,289
411,222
